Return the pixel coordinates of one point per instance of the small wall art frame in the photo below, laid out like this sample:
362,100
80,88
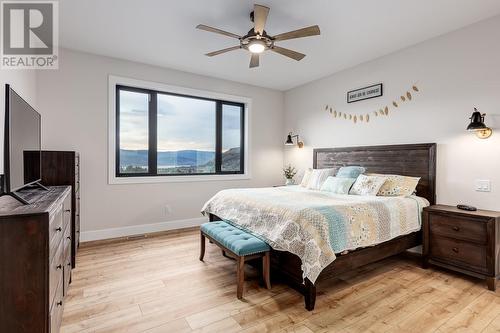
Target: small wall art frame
361,94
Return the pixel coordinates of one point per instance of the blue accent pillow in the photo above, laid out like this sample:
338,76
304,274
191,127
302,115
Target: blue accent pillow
350,172
337,185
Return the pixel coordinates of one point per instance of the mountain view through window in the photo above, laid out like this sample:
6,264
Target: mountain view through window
167,134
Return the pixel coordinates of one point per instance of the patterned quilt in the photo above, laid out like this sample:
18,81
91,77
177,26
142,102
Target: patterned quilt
314,225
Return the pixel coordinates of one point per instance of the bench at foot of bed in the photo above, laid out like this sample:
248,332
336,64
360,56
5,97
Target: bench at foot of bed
239,245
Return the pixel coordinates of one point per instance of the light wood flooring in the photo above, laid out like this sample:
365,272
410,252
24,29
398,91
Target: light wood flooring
157,284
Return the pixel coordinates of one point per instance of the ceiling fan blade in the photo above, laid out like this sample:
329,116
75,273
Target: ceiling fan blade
304,32
260,17
288,53
254,60
217,31
214,53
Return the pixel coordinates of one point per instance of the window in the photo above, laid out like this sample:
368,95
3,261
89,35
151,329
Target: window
166,134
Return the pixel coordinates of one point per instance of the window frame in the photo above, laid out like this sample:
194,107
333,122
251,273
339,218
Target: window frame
117,84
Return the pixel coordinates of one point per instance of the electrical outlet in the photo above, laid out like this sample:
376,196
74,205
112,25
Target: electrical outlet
168,210
483,185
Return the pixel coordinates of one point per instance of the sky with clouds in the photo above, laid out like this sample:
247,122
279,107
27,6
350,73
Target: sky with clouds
183,123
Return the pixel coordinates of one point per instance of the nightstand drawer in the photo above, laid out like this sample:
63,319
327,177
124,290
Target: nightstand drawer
459,228
459,252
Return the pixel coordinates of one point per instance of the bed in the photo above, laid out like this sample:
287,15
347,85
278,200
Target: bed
309,230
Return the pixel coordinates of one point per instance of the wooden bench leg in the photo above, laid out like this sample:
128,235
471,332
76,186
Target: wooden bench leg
240,276
202,246
266,268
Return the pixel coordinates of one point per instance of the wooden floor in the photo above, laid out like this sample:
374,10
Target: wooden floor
157,284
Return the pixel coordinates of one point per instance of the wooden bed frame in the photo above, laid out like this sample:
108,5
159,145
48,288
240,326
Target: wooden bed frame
418,160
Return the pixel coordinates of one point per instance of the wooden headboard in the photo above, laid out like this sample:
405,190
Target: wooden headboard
417,160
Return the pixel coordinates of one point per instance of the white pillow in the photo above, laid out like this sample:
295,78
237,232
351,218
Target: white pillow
318,177
367,185
306,177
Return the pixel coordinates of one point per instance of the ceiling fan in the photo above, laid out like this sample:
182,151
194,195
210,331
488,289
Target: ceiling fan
257,40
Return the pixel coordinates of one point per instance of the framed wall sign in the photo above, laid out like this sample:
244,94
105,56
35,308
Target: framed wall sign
357,95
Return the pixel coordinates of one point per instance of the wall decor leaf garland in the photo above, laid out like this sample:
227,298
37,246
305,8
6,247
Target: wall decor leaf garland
382,111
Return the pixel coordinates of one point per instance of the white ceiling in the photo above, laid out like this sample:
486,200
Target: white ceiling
162,32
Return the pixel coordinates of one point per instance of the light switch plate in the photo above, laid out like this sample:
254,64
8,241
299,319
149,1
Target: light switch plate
483,185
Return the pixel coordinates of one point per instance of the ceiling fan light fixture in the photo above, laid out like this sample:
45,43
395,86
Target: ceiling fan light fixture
257,40
256,46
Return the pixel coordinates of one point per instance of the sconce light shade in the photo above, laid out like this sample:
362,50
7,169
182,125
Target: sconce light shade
289,140
476,121
477,124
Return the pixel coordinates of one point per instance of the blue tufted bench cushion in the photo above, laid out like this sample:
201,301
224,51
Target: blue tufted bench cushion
234,239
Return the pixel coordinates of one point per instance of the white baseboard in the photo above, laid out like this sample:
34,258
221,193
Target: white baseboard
87,236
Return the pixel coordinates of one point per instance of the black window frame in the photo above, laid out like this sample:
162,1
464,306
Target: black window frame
153,134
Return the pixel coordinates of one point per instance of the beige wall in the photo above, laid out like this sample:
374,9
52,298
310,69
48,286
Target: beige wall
74,104
23,81
455,72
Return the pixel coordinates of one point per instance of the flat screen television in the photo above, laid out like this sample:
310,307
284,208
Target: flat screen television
22,143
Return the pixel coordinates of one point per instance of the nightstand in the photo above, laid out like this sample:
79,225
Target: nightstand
463,241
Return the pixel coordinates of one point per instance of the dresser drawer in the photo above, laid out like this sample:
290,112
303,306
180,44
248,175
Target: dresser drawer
67,211
67,242
55,272
56,310
67,263
458,252
66,275
459,228
56,230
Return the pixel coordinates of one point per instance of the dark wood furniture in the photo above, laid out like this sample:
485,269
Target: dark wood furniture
35,259
463,241
418,160
240,263
63,168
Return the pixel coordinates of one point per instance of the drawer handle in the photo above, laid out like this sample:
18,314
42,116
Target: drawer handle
68,237
59,266
59,303
67,210
69,264
455,249
456,228
58,229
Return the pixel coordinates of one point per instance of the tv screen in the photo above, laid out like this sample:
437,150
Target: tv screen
22,163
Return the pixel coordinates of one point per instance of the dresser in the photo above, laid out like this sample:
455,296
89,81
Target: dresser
35,259
463,241
63,168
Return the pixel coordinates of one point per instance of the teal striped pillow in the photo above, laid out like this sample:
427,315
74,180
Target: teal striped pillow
337,185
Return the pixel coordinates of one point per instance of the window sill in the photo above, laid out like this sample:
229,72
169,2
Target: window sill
175,179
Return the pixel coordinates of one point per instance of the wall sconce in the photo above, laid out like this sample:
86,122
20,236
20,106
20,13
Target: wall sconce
289,140
477,125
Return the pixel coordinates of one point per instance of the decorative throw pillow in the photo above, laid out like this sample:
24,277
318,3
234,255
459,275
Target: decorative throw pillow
350,172
306,177
397,185
318,177
337,185
367,185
